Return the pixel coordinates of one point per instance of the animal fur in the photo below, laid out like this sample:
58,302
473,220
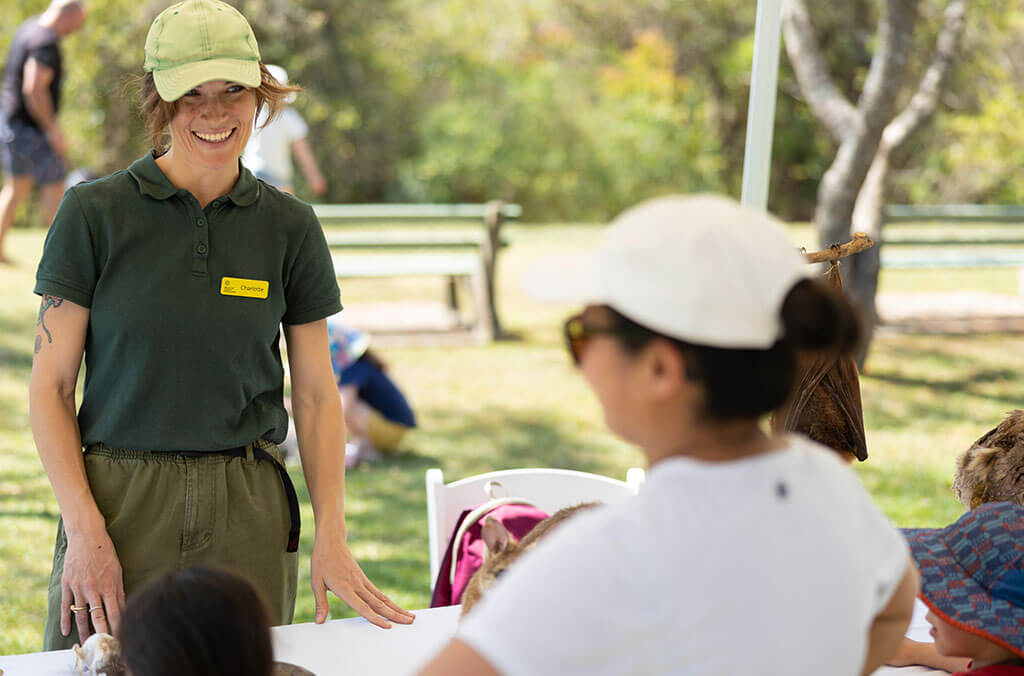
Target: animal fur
825,404
503,550
99,654
992,469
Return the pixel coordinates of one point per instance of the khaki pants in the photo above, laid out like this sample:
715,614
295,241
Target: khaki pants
384,434
166,511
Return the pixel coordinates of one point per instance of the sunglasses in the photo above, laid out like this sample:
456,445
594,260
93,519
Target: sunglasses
577,334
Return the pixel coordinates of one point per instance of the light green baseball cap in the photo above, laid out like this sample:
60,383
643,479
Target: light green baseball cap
196,41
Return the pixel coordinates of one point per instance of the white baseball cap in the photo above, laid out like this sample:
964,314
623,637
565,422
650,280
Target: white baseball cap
700,268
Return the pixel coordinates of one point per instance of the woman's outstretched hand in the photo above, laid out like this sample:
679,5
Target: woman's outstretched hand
333,567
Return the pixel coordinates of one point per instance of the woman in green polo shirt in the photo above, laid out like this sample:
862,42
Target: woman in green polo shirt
173,278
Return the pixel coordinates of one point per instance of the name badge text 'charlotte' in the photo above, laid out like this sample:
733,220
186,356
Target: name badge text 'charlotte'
246,288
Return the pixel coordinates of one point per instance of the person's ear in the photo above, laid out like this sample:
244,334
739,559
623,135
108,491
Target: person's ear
667,369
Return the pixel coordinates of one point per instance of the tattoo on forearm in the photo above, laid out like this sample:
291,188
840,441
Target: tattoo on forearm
48,302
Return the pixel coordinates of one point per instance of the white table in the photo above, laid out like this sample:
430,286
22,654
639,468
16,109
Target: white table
350,646
354,646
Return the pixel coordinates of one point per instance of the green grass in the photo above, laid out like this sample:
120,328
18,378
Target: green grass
514,404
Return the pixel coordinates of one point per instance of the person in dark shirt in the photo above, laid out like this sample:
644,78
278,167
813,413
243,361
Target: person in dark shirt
32,145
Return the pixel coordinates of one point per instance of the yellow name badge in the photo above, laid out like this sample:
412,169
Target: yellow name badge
246,288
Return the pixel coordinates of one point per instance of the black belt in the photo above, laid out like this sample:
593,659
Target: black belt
289,487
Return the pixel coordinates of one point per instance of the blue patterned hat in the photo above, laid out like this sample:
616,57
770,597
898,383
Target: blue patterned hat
972,572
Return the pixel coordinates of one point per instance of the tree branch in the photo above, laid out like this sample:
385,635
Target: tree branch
825,100
885,77
925,100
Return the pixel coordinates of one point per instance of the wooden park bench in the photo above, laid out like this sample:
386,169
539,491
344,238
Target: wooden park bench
954,236
411,240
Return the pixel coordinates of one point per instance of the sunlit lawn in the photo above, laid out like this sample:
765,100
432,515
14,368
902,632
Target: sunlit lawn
514,404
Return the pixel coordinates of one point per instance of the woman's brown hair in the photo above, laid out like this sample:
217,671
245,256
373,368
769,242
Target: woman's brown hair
157,113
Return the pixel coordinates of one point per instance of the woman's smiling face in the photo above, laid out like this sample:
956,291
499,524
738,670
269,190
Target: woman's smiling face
213,122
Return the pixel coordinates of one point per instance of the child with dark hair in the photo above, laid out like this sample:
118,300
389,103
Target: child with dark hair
199,621
972,580
744,552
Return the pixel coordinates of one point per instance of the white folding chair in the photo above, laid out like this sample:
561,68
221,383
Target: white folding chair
545,488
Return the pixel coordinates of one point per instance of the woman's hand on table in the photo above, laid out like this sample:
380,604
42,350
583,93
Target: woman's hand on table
333,567
91,582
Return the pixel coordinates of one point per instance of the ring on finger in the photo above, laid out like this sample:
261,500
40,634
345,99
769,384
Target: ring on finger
78,609
93,609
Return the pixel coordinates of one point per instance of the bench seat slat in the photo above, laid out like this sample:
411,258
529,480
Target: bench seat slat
406,240
404,265
355,213
960,213
952,260
955,242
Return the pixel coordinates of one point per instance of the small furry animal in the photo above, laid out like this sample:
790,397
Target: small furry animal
503,550
99,654
992,469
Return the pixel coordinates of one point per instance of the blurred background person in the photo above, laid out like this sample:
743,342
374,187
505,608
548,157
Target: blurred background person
32,145
271,146
377,414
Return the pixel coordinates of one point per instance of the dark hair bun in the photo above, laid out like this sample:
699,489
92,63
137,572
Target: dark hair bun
817,316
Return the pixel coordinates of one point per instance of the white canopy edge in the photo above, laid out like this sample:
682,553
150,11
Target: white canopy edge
764,78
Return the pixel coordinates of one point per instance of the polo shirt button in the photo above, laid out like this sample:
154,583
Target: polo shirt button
200,248
200,222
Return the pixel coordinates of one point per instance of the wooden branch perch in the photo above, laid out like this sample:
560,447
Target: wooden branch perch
860,242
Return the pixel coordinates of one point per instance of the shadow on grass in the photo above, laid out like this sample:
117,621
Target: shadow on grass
965,384
496,438
18,360
931,382
18,514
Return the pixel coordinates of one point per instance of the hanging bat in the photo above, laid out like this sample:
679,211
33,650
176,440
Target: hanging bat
825,403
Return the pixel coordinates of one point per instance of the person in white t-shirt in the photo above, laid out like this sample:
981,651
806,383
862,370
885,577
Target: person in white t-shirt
743,553
268,155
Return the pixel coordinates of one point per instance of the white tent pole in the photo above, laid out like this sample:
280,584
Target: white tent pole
764,78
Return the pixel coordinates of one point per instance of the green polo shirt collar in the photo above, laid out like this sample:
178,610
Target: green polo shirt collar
154,183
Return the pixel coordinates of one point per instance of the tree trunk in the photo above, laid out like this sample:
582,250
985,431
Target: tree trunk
869,211
863,130
862,276
853,190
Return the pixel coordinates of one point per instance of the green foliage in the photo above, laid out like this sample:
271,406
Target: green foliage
587,145
975,149
574,108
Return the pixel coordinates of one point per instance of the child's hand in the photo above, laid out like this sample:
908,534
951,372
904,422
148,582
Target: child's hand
912,653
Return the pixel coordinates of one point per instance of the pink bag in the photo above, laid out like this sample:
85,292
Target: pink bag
518,518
